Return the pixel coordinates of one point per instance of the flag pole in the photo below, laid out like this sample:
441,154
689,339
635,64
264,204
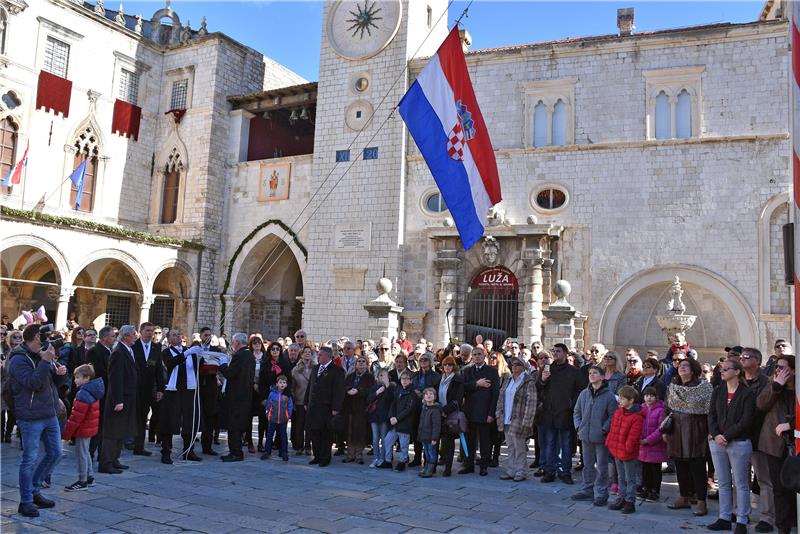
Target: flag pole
794,113
24,183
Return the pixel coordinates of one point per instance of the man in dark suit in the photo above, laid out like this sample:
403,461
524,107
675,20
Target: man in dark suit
148,362
237,401
99,356
120,418
481,387
324,398
209,394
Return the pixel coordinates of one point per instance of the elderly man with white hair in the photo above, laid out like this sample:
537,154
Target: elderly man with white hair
120,417
466,356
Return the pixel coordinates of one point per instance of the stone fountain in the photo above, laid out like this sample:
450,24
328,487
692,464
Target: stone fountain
676,322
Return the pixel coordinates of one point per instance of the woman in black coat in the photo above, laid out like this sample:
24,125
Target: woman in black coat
451,397
356,387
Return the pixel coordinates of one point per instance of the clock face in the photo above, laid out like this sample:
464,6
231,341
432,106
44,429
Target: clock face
361,29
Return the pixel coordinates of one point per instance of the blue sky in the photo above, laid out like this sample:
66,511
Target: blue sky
290,32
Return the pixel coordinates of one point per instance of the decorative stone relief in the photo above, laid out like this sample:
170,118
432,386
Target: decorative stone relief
491,249
138,27
203,29
120,18
99,8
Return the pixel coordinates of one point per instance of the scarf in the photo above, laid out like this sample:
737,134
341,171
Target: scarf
172,385
694,399
443,387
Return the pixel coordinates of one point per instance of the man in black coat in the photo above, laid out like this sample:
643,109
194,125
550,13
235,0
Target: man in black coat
559,388
481,388
180,405
120,418
237,399
209,395
324,398
148,363
99,356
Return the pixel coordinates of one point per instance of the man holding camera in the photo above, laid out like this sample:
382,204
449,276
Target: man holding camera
34,380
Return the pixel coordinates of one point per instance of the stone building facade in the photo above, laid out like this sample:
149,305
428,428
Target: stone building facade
625,160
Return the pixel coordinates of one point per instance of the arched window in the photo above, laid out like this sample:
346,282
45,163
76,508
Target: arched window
540,124
663,117
87,195
683,116
8,147
169,203
559,123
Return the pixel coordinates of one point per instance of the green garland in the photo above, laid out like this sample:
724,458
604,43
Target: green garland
107,229
238,251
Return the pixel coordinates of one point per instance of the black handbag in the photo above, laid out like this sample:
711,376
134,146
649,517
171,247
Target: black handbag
456,422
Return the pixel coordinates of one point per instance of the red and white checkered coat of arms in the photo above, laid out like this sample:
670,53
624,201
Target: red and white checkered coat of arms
455,142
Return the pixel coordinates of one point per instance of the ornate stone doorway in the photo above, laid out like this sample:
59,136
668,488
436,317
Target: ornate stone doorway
492,305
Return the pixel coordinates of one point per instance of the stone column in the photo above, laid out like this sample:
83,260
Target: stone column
532,297
145,302
62,310
449,264
384,313
562,319
239,134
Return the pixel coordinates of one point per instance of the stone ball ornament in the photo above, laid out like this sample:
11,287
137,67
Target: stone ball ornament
562,289
384,286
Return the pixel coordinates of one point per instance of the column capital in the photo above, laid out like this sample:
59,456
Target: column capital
146,300
65,293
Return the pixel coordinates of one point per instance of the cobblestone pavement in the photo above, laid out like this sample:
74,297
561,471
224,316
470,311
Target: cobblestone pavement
277,496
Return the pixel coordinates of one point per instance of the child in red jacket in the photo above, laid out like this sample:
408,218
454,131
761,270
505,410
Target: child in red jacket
623,443
84,422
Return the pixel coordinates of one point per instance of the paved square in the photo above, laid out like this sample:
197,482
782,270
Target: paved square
276,496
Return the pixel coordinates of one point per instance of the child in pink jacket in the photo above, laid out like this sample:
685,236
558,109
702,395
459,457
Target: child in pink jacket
653,448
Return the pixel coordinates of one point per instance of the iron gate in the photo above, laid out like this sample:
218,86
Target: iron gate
492,305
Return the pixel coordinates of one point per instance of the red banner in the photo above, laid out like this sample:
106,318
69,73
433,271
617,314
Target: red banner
495,279
53,93
126,119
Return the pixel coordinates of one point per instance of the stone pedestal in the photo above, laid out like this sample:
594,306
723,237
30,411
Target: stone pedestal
564,323
384,313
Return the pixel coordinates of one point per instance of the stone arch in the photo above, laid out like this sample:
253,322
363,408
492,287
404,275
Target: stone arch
740,311
139,273
87,136
771,208
178,264
169,34
272,231
48,249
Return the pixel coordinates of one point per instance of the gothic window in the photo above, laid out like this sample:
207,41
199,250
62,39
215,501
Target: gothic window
683,115
56,57
674,101
129,86
180,89
540,124
559,123
663,117
87,149
549,113
169,204
8,146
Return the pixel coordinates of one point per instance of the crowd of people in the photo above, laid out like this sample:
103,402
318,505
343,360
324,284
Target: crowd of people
727,426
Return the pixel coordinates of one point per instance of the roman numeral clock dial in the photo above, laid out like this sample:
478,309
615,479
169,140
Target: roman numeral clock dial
360,29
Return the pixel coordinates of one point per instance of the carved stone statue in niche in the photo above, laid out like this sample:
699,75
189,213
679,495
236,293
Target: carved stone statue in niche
491,249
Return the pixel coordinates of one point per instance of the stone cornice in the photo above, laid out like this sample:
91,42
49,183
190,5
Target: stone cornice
644,143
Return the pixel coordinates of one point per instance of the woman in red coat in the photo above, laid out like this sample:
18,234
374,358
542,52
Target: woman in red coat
84,422
623,443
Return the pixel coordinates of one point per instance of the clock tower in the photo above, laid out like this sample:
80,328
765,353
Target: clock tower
355,236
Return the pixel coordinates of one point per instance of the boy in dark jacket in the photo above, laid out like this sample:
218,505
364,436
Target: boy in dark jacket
401,422
84,423
623,444
430,429
279,411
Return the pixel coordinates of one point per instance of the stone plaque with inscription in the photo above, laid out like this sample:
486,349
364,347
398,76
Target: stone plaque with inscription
353,236
345,279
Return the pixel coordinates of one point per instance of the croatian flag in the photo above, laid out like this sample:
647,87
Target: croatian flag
442,114
14,175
